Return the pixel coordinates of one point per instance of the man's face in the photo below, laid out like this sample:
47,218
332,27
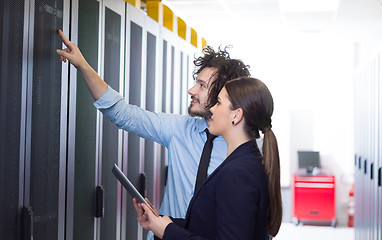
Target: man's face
199,93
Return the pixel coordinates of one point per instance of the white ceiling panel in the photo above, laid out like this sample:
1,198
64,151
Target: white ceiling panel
352,16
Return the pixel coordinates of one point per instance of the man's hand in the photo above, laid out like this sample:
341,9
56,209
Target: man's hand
71,53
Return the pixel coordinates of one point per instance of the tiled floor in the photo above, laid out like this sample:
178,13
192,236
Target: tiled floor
289,231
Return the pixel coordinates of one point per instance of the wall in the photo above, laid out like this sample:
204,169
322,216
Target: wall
311,78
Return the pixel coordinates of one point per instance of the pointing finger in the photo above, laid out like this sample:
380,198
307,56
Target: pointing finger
64,39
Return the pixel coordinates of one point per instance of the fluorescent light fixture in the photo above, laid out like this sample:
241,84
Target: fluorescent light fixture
309,5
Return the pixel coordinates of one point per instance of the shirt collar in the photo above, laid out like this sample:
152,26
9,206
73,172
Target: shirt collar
201,124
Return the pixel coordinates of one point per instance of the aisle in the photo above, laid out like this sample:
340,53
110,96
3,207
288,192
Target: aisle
289,231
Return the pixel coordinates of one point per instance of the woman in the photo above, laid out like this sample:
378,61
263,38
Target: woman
241,199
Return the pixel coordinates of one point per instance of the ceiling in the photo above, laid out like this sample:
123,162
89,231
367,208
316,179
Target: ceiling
228,19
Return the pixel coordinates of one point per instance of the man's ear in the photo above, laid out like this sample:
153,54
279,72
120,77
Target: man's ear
238,115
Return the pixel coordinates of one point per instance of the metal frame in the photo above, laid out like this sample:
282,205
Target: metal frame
71,126
28,129
118,7
135,15
168,36
23,107
26,115
63,130
152,27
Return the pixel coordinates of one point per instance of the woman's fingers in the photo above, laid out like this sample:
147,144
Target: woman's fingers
137,207
148,211
152,206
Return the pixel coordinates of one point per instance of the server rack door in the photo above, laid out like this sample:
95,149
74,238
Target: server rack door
163,150
184,73
136,96
111,140
167,38
374,173
152,104
86,126
12,101
379,148
182,92
172,80
175,78
46,109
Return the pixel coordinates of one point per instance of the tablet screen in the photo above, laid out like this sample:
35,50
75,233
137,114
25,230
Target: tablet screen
130,187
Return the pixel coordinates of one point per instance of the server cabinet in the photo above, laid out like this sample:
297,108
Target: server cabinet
12,115
164,108
184,74
135,94
112,64
46,120
33,92
85,182
368,147
379,148
153,103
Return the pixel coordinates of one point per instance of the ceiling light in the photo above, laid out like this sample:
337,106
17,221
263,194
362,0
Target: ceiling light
309,5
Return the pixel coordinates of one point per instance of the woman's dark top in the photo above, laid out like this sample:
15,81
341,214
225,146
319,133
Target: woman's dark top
231,204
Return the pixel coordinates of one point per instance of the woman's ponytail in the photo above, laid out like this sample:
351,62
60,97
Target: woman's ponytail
271,162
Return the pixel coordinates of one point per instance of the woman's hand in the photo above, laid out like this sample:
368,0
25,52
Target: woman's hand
71,53
149,221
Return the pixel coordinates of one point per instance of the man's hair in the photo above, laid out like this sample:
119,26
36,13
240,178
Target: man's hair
227,69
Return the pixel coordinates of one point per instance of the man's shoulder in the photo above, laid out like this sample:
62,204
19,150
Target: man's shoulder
187,119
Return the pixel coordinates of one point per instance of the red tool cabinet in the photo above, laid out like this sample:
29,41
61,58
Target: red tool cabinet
314,199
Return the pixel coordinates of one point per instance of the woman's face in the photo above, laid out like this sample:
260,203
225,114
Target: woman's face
222,114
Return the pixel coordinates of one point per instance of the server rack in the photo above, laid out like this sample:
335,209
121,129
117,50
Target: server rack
59,150
368,151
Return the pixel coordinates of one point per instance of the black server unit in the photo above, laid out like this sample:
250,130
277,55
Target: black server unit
136,37
11,86
86,126
163,151
45,138
33,130
110,142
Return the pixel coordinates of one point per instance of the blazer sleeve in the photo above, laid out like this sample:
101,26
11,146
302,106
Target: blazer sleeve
175,232
237,204
236,207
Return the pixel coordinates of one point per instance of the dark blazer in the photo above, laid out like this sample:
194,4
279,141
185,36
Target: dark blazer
231,204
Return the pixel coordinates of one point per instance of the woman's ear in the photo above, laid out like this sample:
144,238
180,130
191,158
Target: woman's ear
238,116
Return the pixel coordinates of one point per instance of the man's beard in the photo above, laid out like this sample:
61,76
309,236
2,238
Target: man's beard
205,114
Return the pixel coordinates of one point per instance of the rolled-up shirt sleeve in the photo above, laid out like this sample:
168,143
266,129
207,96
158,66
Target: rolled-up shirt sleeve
134,119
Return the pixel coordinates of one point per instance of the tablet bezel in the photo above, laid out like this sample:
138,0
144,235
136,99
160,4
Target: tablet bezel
130,187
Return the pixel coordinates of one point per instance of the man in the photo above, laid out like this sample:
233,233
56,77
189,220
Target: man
184,136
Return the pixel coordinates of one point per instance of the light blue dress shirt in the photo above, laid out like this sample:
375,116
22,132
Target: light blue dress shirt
183,136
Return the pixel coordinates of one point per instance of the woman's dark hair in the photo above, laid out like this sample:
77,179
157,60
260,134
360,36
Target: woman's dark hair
253,96
227,69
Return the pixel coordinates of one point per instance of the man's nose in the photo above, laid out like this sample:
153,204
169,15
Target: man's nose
191,91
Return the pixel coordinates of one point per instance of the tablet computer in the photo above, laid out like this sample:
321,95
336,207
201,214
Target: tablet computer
130,187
